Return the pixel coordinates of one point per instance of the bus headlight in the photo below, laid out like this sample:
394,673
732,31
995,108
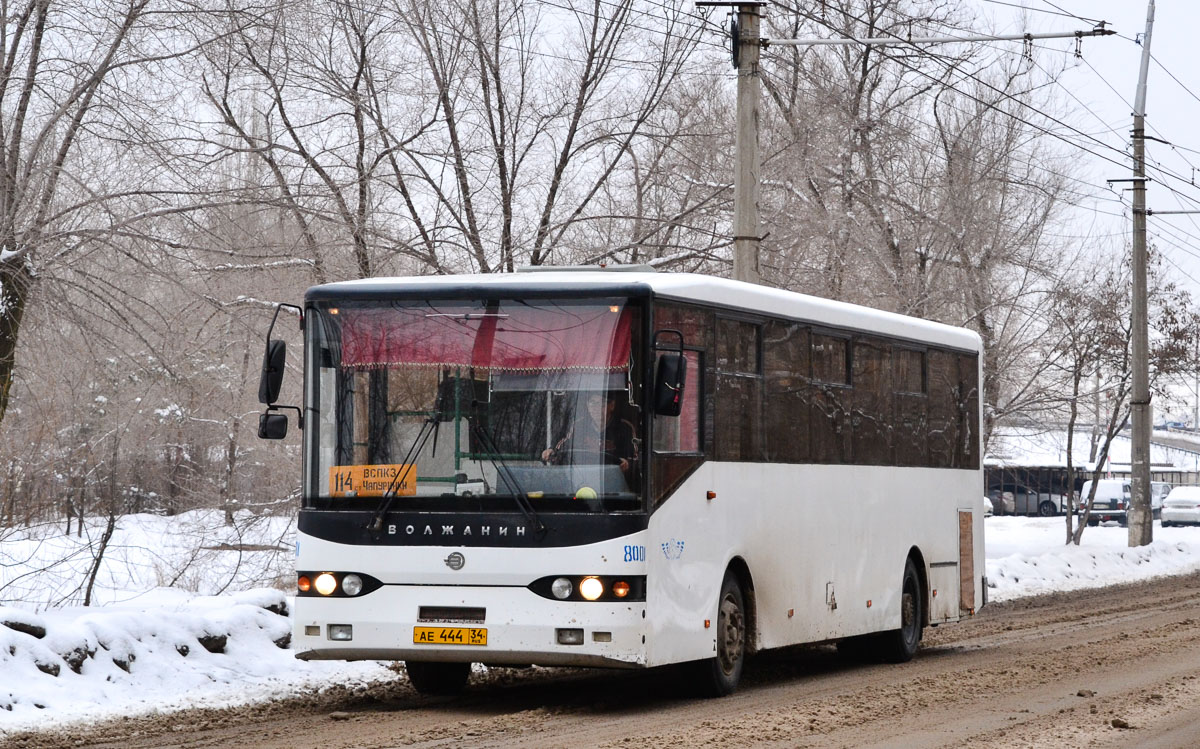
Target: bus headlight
325,583
561,588
352,584
591,588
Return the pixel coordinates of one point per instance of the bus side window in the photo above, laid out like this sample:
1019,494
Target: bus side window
967,456
829,422
943,416
788,392
872,413
738,433
912,400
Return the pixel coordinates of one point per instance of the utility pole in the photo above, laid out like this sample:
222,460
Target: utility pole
745,190
1141,525
746,46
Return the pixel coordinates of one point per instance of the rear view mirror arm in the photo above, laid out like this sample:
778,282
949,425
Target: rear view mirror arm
299,413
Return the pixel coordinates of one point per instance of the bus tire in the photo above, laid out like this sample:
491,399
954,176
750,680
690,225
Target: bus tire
438,678
900,645
719,676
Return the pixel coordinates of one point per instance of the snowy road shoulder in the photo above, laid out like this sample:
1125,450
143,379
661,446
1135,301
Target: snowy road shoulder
1028,556
171,651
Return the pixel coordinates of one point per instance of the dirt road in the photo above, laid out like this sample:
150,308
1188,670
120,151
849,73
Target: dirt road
1118,667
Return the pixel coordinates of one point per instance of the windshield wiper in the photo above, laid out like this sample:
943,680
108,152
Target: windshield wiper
488,442
430,427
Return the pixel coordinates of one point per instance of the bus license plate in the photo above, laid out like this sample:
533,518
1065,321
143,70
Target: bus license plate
449,636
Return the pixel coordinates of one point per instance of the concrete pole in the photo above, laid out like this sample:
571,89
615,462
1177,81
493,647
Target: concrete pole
745,182
1141,525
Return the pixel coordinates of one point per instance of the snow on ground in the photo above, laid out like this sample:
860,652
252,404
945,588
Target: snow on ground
220,636
168,591
1027,556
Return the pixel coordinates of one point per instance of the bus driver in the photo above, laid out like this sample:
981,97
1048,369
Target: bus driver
598,433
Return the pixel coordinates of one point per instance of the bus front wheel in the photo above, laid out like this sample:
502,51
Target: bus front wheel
720,675
900,645
438,678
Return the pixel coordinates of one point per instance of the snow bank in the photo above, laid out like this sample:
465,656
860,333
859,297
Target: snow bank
174,651
1027,556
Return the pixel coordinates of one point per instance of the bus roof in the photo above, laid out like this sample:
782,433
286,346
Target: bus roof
712,290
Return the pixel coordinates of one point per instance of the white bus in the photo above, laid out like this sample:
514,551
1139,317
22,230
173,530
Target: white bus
626,469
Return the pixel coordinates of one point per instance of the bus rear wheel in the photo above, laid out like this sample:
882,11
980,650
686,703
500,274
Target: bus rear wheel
900,645
438,678
719,676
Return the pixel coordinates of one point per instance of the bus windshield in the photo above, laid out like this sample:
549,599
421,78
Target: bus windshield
467,405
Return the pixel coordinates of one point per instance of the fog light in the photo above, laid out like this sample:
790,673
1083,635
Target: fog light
561,588
620,589
311,630
341,631
569,636
325,583
591,588
352,585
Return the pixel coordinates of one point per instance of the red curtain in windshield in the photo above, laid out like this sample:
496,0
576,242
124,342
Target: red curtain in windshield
516,339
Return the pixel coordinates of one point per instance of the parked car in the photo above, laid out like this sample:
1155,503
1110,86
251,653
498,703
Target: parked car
1112,500
1026,501
1158,494
1003,502
1182,507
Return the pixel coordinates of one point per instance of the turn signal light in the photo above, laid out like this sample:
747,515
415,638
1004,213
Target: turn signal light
303,584
620,589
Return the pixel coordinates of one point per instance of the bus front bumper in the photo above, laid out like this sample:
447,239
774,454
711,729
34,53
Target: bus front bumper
521,627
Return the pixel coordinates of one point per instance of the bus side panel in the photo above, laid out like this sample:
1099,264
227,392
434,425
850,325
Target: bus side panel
688,545
825,547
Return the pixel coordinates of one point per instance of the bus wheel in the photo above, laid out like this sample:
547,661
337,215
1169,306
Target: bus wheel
900,645
720,675
438,678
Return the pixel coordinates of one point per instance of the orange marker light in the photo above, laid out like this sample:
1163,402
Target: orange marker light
707,623
710,495
868,604
304,584
620,589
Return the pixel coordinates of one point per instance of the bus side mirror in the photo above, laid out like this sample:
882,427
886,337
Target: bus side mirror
671,373
272,372
668,384
272,426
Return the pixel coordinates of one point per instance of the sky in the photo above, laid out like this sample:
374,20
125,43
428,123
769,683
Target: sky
1098,93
